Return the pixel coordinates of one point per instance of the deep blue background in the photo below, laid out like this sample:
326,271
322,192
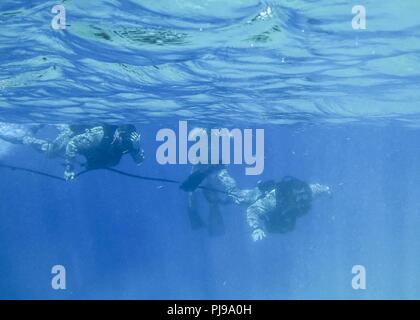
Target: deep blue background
124,238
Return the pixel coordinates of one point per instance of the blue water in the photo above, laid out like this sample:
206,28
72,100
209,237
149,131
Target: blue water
339,106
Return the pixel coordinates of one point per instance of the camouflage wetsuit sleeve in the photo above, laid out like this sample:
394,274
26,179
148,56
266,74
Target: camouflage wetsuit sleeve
91,138
58,146
239,196
256,212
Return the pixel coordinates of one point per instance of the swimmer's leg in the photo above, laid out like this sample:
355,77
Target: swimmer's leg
13,133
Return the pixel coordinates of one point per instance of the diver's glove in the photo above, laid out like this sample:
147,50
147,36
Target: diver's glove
137,153
139,157
69,174
135,138
258,234
319,190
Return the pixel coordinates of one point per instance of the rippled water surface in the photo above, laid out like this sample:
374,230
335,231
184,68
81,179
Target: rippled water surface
339,107
213,60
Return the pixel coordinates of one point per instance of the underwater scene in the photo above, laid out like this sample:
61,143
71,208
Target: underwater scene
209,149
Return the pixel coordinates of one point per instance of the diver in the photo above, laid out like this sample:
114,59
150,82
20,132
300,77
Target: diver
272,207
218,188
102,145
214,183
279,205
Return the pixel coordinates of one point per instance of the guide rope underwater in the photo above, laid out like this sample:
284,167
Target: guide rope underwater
123,173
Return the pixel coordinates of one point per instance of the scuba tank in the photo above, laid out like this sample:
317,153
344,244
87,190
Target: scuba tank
293,200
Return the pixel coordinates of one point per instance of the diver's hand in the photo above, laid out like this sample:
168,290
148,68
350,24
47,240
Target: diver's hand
139,158
320,190
69,175
135,137
258,235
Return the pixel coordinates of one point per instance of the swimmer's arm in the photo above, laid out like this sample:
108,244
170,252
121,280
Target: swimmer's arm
229,185
79,143
238,196
256,214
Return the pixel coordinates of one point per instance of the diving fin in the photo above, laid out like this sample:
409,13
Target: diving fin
216,225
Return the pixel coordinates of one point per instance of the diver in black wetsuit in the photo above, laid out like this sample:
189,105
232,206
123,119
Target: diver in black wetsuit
103,146
218,188
273,207
279,205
